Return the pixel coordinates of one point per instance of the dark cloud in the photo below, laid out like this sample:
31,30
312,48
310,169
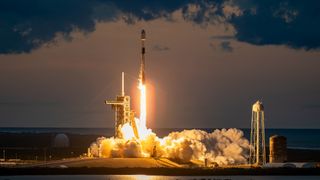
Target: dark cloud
263,22
293,23
27,25
160,48
222,37
226,46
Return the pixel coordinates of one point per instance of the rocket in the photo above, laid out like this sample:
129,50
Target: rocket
142,76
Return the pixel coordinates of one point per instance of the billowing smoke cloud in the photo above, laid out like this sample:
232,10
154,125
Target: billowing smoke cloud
223,147
28,25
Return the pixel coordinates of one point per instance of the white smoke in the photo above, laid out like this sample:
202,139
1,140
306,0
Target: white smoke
223,147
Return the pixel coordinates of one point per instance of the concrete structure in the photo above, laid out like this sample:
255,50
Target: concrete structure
257,136
278,149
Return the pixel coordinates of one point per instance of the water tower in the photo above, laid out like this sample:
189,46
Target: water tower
257,136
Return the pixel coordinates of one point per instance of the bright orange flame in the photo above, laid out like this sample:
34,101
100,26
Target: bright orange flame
142,124
143,131
143,105
127,132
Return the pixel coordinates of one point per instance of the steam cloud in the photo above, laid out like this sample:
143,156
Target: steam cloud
223,147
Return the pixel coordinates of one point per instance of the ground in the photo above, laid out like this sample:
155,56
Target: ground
108,162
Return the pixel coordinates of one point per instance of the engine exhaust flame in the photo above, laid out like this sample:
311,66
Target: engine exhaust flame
142,123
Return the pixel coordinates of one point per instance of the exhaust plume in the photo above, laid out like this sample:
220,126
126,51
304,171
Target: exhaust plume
223,147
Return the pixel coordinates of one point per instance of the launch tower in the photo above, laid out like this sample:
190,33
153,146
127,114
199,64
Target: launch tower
123,113
257,136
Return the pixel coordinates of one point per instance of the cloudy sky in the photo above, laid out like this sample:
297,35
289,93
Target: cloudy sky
207,61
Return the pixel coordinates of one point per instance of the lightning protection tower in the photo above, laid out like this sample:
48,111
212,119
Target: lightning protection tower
257,136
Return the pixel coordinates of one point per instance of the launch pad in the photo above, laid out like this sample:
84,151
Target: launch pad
108,163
